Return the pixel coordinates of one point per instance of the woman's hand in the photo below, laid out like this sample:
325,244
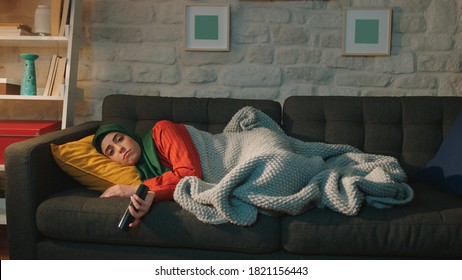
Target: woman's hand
120,190
140,207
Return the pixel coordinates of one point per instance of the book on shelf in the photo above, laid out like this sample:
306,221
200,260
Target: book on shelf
55,77
9,87
50,75
59,16
15,25
17,32
59,78
14,29
64,17
56,7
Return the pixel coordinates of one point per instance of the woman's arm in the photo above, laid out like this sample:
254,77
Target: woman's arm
177,151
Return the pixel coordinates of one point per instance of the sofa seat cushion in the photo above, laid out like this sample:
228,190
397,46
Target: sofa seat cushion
81,215
430,226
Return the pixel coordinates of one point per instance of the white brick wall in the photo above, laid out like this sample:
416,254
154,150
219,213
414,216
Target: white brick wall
278,49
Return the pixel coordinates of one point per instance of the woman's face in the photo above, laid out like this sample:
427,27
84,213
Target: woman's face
121,148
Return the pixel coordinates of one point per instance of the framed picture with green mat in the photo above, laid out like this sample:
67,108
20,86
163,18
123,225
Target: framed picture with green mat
206,27
367,31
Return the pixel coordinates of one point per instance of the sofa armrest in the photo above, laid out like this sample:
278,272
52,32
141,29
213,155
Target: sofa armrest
31,176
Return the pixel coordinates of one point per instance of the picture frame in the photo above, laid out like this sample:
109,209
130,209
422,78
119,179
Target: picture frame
207,27
367,31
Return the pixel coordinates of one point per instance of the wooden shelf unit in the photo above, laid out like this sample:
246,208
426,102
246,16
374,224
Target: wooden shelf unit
71,42
70,93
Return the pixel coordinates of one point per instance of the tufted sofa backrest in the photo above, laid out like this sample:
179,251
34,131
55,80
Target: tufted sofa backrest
408,128
140,113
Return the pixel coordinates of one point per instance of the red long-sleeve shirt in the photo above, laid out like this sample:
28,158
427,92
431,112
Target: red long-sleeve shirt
177,151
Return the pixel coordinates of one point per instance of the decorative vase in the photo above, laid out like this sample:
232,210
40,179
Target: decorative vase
42,20
28,83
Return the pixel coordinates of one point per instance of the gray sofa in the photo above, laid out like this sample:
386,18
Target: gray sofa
51,216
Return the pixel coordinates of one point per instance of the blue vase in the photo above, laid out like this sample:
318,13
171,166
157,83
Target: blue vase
28,83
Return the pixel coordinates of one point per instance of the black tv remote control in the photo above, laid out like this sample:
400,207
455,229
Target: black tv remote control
127,218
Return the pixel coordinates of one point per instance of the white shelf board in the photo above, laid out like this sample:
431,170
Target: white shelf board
32,97
33,41
2,167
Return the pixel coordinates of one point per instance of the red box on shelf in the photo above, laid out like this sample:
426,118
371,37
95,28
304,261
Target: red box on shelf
12,131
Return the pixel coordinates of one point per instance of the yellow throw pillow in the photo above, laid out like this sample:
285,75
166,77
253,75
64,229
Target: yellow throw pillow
80,160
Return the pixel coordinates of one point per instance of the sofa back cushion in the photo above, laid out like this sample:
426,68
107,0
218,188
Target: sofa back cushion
140,113
408,128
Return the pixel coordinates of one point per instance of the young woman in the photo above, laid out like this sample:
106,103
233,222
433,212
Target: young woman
162,157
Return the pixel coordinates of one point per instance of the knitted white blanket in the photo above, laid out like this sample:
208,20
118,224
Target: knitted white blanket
253,166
